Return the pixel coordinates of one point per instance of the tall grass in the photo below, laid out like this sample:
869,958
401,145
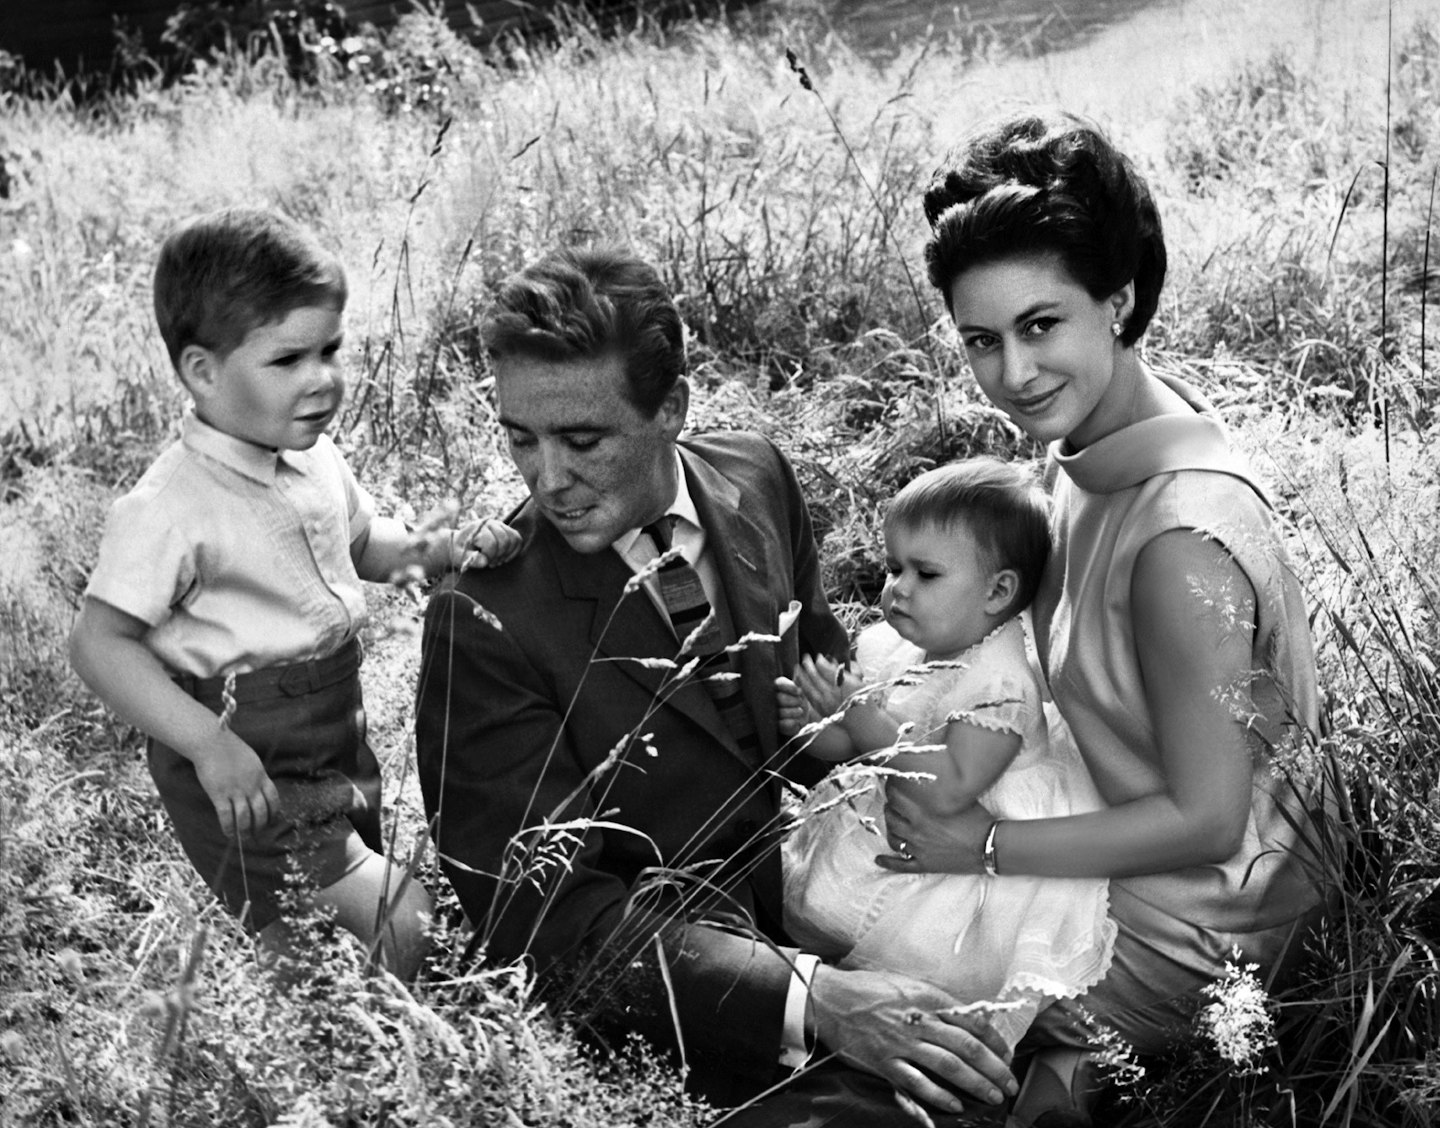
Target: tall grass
783,225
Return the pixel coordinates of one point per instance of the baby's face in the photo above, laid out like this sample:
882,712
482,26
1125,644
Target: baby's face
936,592
282,385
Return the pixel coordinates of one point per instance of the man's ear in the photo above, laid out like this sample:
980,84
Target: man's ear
1004,585
196,367
674,409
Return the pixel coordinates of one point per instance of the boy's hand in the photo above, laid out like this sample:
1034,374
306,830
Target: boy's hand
790,704
826,684
483,544
244,796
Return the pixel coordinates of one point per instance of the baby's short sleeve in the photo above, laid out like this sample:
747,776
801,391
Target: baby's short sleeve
145,565
995,689
990,685
998,704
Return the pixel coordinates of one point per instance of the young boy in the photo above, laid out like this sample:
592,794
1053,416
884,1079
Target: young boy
228,584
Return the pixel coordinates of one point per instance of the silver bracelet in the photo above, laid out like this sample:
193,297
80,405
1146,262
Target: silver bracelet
987,857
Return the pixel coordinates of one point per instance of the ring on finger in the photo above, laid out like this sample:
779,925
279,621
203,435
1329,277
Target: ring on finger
903,849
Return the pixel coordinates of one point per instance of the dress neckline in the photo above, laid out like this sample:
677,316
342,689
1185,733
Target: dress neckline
1162,444
960,655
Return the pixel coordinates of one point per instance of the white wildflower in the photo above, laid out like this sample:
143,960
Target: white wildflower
1238,1022
1115,1058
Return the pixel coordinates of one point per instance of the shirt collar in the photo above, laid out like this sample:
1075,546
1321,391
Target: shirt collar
255,462
682,506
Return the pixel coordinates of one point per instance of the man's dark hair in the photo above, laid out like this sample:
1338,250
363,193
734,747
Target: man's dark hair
999,503
222,274
1048,182
587,305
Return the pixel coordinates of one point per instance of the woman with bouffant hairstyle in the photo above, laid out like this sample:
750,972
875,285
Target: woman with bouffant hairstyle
1169,623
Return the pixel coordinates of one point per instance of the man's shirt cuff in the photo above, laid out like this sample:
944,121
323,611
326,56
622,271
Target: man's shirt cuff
795,1046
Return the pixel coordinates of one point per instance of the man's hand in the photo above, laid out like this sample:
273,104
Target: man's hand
913,1034
483,544
231,773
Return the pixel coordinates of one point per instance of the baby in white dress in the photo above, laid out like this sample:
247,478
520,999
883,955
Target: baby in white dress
949,707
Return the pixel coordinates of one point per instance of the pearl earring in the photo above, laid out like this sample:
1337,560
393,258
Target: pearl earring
1115,328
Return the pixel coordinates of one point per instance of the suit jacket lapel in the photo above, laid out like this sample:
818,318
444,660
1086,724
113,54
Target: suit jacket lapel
627,628
737,546
735,542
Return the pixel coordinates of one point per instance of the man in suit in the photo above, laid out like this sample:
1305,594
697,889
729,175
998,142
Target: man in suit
599,755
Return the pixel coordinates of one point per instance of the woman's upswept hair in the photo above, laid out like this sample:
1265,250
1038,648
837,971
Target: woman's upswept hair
1047,182
589,304
1001,504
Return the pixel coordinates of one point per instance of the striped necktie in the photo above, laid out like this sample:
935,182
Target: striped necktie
684,596
698,629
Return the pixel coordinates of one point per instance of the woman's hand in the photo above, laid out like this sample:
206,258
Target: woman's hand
926,844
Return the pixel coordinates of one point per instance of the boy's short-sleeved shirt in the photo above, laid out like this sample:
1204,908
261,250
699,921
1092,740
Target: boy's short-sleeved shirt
238,557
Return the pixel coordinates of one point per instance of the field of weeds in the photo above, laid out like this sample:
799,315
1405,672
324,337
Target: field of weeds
1298,191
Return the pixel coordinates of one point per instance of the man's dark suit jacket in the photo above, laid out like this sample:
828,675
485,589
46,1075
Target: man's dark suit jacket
550,715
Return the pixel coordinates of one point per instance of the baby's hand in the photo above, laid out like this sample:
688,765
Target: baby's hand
483,544
791,706
244,796
826,684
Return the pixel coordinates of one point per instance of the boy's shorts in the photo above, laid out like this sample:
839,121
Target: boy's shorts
306,722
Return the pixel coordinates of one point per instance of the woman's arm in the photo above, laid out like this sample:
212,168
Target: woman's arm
1193,611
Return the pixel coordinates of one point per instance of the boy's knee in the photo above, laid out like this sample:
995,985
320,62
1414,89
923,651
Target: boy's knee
387,909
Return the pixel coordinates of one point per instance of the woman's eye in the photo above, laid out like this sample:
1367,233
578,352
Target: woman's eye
1040,326
520,439
980,342
289,360
581,442
924,575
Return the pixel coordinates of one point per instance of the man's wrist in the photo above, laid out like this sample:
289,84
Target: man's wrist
797,1036
988,852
